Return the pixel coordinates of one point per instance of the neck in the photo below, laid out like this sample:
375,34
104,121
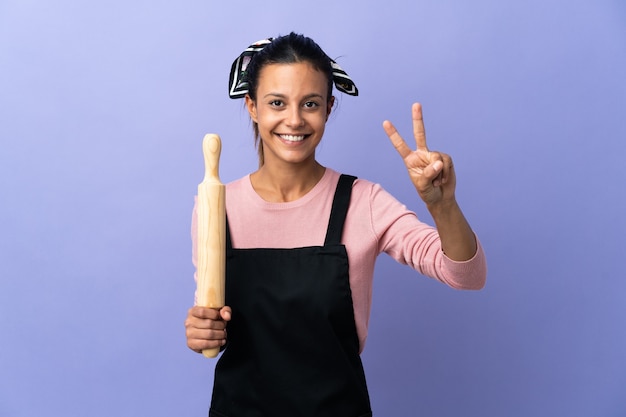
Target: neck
285,184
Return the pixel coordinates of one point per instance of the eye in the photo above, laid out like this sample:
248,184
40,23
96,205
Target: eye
311,104
276,103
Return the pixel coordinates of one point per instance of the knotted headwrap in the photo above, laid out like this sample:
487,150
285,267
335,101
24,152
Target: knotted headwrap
238,83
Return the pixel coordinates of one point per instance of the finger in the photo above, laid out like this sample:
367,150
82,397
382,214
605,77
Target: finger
205,334
194,321
198,345
204,324
448,168
226,313
396,139
205,313
418,127
434,172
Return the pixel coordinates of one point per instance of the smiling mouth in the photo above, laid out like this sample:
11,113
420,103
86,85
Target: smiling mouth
293,138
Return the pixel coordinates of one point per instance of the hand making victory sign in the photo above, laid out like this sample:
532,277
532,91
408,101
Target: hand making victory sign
432,174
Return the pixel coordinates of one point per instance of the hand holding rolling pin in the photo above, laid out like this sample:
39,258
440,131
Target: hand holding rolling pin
206,328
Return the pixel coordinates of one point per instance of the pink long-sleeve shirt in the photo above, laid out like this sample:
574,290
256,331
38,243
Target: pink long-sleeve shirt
376,222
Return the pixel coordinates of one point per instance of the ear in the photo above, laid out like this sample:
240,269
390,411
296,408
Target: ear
329,107
251,106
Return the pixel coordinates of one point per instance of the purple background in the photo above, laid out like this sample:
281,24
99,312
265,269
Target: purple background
103,109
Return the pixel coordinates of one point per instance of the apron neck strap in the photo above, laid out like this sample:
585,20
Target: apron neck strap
339,209
229,244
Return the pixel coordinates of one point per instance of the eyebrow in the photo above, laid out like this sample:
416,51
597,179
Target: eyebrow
308,96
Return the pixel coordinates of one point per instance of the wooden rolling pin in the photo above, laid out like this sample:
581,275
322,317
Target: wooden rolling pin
211,233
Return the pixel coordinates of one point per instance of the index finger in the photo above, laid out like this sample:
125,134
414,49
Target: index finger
396,139
205,313
418,127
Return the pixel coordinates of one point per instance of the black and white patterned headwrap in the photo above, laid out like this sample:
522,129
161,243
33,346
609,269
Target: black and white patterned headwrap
238,84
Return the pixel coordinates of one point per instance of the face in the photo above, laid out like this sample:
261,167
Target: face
291,111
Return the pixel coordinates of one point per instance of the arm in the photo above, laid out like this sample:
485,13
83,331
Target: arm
432,174
458,241
401,235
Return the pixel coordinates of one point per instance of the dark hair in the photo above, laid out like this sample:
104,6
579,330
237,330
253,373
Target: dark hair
287,49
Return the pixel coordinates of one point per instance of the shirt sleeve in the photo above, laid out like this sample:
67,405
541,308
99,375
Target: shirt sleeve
414,243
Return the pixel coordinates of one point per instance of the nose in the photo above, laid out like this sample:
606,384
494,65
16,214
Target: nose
295,118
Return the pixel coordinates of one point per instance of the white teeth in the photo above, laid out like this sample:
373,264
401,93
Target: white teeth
293,138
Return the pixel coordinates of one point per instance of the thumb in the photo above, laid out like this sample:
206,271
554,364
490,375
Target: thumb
226,313
437,167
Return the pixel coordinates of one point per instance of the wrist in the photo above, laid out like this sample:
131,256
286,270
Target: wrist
443,207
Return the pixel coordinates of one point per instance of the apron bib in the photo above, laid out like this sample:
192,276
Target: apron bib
292,348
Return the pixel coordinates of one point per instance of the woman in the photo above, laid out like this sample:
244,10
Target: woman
303,240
